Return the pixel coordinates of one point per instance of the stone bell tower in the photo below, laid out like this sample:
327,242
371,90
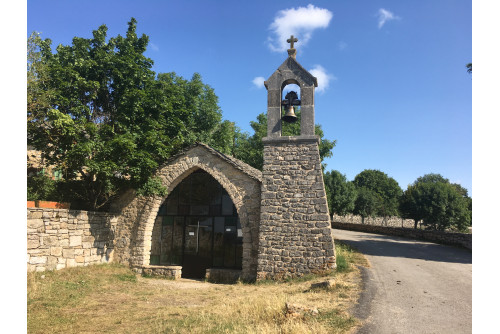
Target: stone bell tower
295,236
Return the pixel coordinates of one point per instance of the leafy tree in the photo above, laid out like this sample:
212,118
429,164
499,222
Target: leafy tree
367,203
250,148
340,193
410,206
432,178
38,93
110,121
439,203
386,187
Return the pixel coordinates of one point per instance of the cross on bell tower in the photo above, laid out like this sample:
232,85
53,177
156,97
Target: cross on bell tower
291,40
292,52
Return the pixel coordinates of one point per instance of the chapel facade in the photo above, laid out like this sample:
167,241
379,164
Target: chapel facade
223,219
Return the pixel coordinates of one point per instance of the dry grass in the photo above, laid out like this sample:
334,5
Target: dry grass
112,299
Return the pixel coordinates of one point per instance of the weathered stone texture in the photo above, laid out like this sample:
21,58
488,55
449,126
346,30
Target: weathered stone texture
173,272
295,236
219,275
55,238
379,221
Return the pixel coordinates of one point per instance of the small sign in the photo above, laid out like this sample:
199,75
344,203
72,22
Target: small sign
191,233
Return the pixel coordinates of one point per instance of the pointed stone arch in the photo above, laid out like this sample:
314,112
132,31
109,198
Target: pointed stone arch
242,183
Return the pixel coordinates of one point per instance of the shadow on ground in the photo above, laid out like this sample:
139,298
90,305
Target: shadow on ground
381,245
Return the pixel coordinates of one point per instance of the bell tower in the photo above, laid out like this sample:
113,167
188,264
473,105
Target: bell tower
295,236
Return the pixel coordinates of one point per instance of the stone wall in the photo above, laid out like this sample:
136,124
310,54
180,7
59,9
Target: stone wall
378,221
295,236
454,239
60,238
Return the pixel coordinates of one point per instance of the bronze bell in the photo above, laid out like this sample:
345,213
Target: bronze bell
290,116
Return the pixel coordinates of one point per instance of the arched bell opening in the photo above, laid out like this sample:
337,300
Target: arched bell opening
290,108
197,227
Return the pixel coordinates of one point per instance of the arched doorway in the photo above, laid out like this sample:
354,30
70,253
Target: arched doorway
197,227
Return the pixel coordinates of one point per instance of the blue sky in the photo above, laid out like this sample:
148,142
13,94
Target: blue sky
393,88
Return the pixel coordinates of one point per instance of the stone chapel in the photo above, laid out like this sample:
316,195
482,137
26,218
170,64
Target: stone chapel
223,219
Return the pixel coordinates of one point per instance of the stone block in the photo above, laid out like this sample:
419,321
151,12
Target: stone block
35,223
68,253
50,240
35,215
75,240
38,260
33,243
70,263
56,251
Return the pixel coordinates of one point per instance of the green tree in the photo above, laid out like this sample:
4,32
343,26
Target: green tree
250,148
440,204
111,121
340,193
410,206
432,178
38,94
386,187
367,203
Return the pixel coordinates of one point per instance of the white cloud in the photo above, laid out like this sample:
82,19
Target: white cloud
384,15
324,78
299,22
259,82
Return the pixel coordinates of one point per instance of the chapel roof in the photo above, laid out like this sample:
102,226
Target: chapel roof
238,164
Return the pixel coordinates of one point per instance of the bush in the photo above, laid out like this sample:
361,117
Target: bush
41,187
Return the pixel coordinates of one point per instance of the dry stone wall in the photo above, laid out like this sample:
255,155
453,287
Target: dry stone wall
295,236
378,221
60,238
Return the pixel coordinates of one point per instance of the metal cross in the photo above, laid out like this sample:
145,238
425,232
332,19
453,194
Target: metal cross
291,40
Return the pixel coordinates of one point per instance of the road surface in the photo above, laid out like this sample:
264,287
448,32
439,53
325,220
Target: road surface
412,286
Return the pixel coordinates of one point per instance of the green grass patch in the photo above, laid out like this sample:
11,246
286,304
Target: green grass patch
347,257
126,277
338,320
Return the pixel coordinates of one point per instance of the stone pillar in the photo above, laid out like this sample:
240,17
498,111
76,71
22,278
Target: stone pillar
295,235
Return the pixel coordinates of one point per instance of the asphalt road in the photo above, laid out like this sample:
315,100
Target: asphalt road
412,286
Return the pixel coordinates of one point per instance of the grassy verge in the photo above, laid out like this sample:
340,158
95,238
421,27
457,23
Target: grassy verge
112,299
